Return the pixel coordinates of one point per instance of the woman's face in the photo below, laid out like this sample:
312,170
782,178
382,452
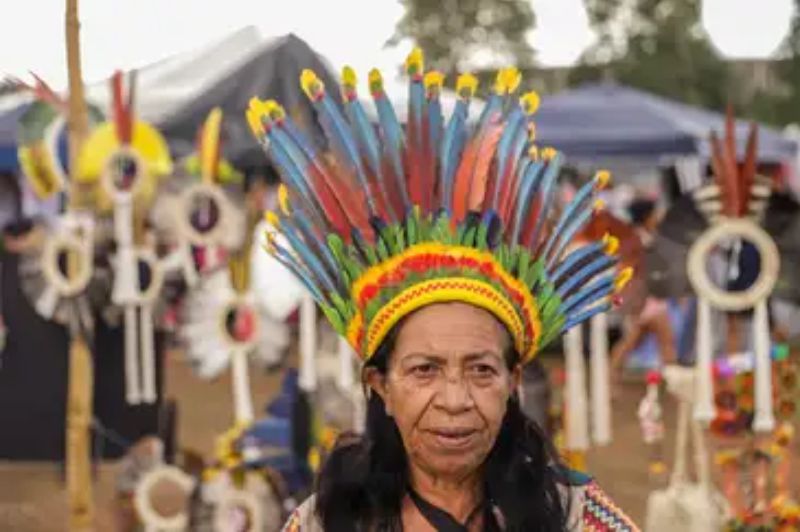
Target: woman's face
447,386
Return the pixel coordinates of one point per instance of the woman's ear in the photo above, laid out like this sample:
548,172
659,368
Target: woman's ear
377,384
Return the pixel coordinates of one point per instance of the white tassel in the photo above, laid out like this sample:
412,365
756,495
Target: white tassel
308,344
147,355
242,401
346,377
704,410
132,384
47,302
601,396
577,431
764,420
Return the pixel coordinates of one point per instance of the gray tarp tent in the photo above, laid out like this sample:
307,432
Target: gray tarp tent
271,73
611,121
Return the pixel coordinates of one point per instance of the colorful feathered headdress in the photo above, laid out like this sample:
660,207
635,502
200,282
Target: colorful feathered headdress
388,220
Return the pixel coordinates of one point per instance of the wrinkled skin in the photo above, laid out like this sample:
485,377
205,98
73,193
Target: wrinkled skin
447,386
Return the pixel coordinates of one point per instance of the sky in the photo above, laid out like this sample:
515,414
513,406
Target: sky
132,33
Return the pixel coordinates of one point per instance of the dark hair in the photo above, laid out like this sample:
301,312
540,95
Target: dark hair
640,210
363,482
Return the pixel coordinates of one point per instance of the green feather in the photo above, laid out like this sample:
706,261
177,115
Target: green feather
334,318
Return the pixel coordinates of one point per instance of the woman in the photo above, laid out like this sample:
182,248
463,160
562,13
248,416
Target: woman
432,250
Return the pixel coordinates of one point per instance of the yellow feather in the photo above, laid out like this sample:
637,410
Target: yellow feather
283,199
349,78
311,84
375,80
611,244
415,62
254,121
272,219
210,146
529,102
434,80
623,278
507,81
466,85
602,178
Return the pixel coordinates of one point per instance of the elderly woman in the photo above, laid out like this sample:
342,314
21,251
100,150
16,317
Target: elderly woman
432,249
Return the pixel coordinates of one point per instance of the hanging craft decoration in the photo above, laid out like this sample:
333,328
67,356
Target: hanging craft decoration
138,272
731,208
206,217
150,486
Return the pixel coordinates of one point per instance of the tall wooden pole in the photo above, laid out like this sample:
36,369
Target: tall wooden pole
79,398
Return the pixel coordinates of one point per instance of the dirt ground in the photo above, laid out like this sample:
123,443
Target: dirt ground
32,496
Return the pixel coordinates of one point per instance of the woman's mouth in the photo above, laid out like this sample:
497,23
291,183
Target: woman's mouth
453,438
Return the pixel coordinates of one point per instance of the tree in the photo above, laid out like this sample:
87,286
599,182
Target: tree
659,46
784,107
451,31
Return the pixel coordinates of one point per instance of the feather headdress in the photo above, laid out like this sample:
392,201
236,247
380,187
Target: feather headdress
393,218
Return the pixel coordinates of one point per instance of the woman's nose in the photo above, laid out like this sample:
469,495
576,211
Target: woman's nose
454,394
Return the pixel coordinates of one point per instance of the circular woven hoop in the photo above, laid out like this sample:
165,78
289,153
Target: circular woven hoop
233,304
66,285
216,234
768,275
141,498
107,178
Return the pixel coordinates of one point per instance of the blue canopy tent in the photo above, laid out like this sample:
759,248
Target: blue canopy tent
610,121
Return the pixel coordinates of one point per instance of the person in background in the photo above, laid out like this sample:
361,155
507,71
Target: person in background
654,318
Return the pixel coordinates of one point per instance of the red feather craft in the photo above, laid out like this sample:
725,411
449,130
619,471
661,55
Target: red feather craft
40,90
734,183
123,121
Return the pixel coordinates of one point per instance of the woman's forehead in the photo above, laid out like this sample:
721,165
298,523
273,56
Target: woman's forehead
452,328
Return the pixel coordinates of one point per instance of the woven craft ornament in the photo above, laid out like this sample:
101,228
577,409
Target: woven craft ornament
389,219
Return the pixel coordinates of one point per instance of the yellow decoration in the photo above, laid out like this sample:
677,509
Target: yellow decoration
102,142
283,199
38,166
210,146
349,78
623,278
611,244
466,85
533,153
473,291
602,178
529,102
375,80
548,153
507,81
434,80
254,121
272,219
415,62
311,84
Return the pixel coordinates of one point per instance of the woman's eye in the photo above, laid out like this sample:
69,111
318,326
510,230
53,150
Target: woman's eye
424,370
482,370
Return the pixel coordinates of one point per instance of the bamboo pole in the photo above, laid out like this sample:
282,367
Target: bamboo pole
79,399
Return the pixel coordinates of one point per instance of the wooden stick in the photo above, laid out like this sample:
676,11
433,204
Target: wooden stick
79,398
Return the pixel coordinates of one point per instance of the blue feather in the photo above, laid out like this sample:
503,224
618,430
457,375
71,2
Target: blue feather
309,259
300,272
531,179
569,213
588,294
548,191
453,142
303,224
574,258
585,315
584,274
366,136
566,236
393,141
339,132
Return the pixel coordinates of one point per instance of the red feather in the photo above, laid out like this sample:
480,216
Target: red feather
120,111
749,167
472,176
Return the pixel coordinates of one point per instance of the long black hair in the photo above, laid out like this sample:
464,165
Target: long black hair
363,482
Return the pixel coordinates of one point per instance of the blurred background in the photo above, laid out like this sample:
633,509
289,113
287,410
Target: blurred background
634,86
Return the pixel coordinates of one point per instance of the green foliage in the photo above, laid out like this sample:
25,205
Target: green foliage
450,31
658,46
